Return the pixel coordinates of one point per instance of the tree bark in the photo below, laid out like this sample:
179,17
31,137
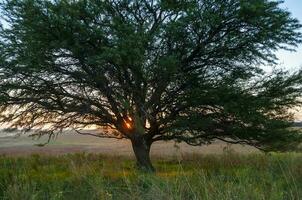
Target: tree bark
141,149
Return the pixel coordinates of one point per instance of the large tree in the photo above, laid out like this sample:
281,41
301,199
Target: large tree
150,70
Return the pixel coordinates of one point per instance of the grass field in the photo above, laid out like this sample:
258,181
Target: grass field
93,176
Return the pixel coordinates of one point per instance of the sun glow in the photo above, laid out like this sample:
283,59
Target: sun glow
128,122
128,125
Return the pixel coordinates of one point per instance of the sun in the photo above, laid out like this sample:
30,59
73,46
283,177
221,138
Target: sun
128,122
128,125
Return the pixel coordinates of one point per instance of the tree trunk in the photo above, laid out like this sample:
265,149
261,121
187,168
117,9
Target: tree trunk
141,150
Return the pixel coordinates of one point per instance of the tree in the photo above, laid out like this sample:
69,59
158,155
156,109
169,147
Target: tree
153,70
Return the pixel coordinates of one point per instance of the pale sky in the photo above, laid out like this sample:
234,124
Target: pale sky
292,60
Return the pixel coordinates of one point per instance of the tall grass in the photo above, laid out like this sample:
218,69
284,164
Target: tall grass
89,176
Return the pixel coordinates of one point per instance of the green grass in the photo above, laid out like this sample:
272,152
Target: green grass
87,176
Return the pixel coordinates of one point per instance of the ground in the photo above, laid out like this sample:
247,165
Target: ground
197,177
69,142
84,167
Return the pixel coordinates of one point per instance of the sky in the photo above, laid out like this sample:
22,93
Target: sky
292,60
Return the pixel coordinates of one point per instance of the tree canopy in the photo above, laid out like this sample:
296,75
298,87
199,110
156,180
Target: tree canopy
151,70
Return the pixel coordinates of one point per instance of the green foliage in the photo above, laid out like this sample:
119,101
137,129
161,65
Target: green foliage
81,176
183,70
